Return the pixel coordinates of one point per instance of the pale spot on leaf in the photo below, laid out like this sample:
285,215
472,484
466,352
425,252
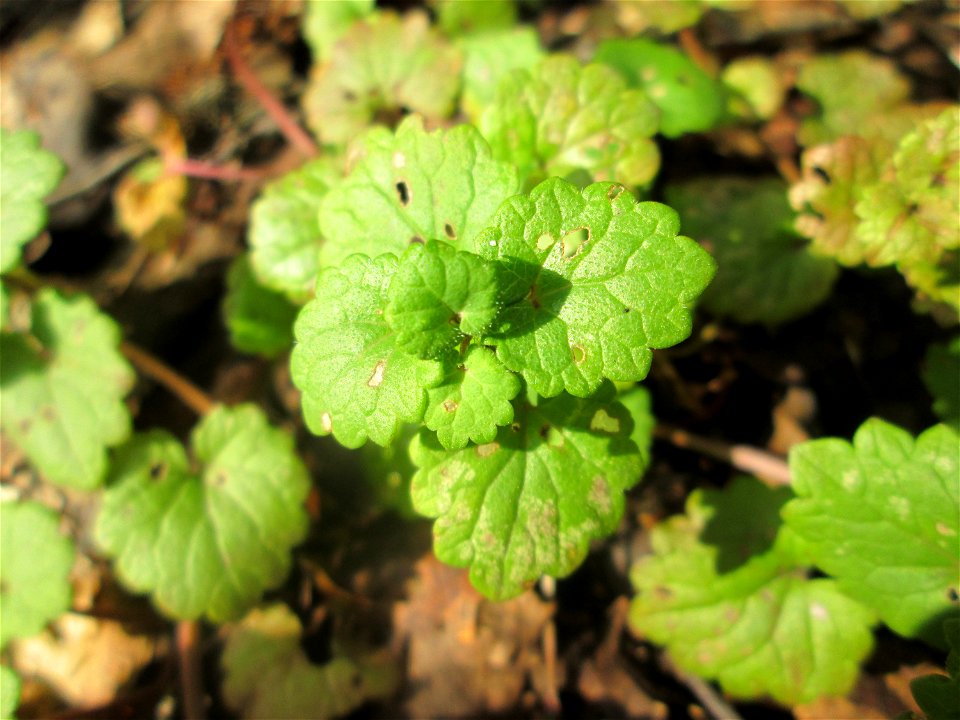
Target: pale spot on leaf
603,422
377,377
487,449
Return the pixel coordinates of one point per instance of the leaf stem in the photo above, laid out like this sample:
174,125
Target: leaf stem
287,125
770,468
187,634
151,366
207,171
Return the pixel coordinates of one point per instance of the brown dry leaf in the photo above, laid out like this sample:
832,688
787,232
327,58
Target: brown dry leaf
467,655
790,416
83,659
874,696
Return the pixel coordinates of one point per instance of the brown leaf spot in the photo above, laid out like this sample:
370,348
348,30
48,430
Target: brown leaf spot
487,449
578,352
449,231
403,193
376,379
450,406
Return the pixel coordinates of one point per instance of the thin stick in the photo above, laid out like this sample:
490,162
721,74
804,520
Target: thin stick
291,130
191,396
201,169
770,468
187,635
716,706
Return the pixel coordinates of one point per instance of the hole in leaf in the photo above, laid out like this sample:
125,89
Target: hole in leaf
515,427
326,422
403,193
449,231
614,191
626,309
544,431
578,352
376,379
822,174
953,595
416,240
573,241
158,471
455,319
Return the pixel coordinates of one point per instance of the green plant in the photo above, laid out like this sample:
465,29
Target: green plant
467,283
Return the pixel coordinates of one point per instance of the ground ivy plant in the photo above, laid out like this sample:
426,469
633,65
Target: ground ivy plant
497,322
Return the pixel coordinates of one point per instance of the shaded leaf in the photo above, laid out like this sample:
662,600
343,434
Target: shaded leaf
765,272
259,320
267,674
941,374
881,515
208,540
728,595
939,695
591,281
63,386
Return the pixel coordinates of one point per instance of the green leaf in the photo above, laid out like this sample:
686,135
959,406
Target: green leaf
725,593
357,381
591,281
439,295
473,399
35,563
325,22
489,57
415,185
939,695
765,272
62,389
285,229
9,691
757,85
4,306
941,374
833,80
209,536
528,503
883,517
259,320
664,16
268,675
688,98
456,17
637,402
561,118
382,65
27,175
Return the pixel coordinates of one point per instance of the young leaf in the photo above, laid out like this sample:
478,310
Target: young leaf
62,389
765,272
259,320
357,381
688,98
834,79
528,503
437,296
665,17
560,118
27,175
206,541
939,695
324,23
725,593
472,401
881,516
35,562
756,85
415,185
9,691
490,56
383,64
591,281
268,675
941,375
285,228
